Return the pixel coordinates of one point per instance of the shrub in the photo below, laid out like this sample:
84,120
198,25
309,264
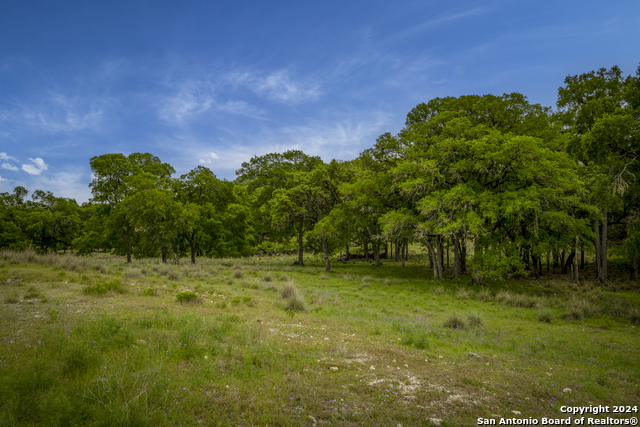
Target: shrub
288,291
475,320
186,297
545,315
237,274
455,322
150,292
267,278
235,301
464,293
634,315
438,290
484,294
296,304
103,288
173,275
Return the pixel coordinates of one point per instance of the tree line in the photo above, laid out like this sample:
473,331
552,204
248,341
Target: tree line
519,186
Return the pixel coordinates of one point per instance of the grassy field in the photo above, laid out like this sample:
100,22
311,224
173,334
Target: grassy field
94,341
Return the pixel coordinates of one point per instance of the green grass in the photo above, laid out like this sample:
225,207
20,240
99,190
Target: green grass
370,346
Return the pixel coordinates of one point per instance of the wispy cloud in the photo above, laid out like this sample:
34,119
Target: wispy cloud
5,156
435,23
277,85
36,168
56,113
9,166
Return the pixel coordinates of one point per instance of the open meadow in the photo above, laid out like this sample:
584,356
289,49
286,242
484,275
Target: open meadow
259,342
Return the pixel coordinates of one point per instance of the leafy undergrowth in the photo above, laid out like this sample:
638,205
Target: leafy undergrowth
373,346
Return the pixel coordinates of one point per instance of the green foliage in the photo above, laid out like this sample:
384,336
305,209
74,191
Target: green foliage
103,288
186,297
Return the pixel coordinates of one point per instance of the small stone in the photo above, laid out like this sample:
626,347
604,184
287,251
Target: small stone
334,368
476,355
435,421
516,412
567,390
439,357
373,368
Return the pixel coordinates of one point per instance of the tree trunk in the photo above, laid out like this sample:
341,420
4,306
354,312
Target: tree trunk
325,252
440,258
596,231
164,257
565,266
397,251
366,250
376,252
347,251
603,246
576,275
634,268
300,244
128,249
456,256
582,258
448,241
403,247
463,252
275,248
477,276
432,257
193,252
536,271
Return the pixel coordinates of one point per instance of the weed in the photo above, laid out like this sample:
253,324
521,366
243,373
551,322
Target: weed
186,297
268,278
455,322
288,291
173,275
545,315
103,288
236,301
237,274
150,292
53,316
296,303
438,290
464,293
221,304
475,320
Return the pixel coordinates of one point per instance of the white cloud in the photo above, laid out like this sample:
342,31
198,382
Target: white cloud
3,179
208,158
36,168
73,184
192,98
9,167
57,113
5,156
278,86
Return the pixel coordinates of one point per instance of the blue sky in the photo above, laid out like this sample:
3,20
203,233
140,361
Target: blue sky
215,83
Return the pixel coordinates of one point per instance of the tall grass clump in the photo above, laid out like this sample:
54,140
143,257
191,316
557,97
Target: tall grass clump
455,322
103,288
294,300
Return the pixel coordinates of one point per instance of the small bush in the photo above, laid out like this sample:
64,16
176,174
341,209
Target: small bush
235,301
545,315
484,294
53,316
464,293
267,278
455,322
296,304
438,290
221,304
150,292
418,339
100,268
186,297
288,291
103,288
634,315
237,274
173,275
475,320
